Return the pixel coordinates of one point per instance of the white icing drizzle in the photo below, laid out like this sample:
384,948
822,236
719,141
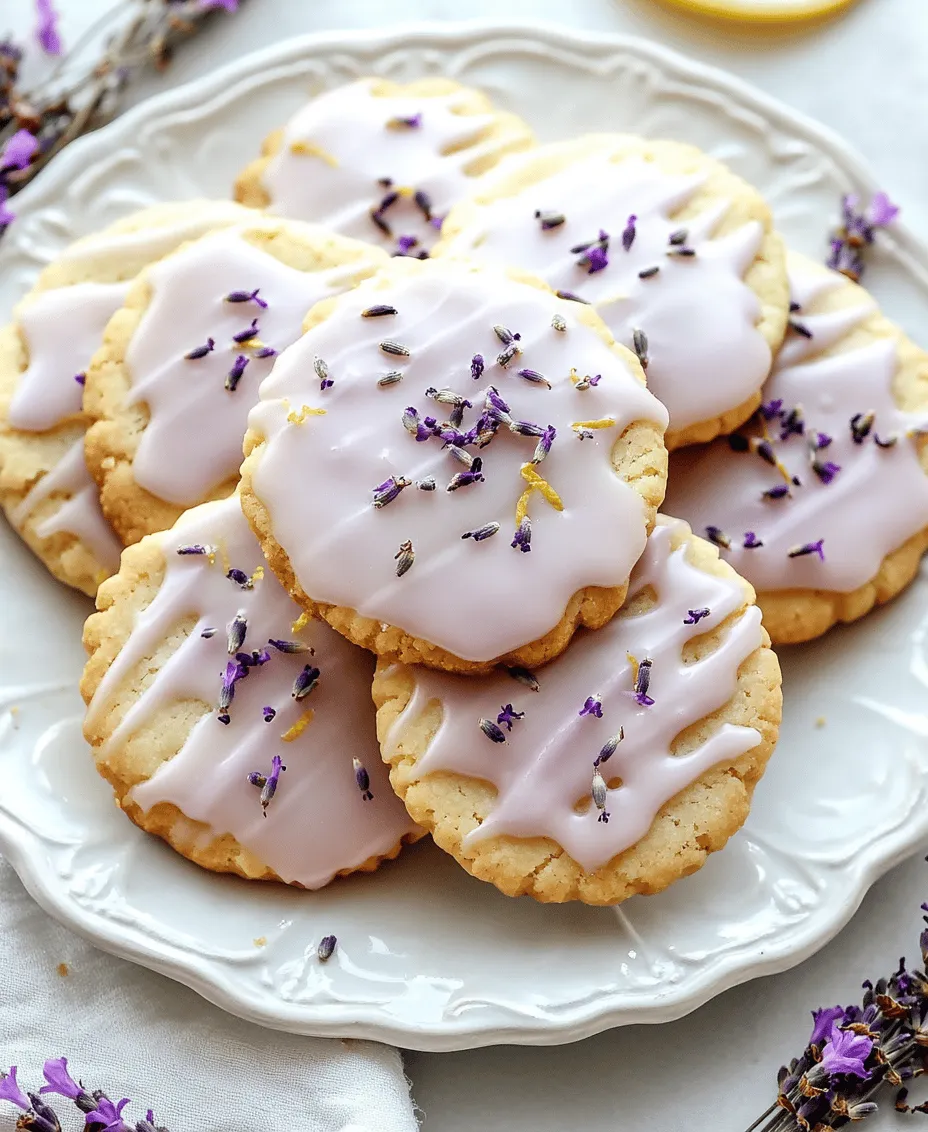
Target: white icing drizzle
79,514
318,822
62,329
706,355
545,767
476,599
349,125
193,440
875,502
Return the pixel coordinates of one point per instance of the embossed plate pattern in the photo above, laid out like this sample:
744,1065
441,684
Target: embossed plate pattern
428,957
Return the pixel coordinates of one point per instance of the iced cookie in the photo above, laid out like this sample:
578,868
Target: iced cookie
455,467
45,489
614,770
674,251
228,724
181,362
822,502
382,161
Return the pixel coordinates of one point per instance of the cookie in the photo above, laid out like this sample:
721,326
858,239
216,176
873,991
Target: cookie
382,161
674,251
170,388
822,502
225,725
45,489
618,768
473,476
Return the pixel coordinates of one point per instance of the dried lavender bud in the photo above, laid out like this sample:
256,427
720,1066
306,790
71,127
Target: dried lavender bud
608,748
522,539
717,536
559,323
492,731
694,616
246,297
326,948
362,778
423,203
404,558
675,239
234,376
241,579
777,492
598,793
543,447
505,336
201,351
387,491
571,297
640,343
508,716
549,220
396,348
649,272
464,479
269,713
238,627
751,541
196,548
861,424
476,366
481,533
628,235
413,122
682,253
807,548
390,378
290,646
643,682
534,377
207,633
427,484
306,682
800,328
525,677
506,356
378,311
247,334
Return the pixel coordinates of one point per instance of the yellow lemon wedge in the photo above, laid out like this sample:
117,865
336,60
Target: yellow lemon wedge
770,11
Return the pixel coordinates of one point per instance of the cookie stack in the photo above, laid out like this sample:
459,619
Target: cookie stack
438,596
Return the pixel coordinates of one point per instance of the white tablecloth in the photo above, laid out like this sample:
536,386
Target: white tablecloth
125,1029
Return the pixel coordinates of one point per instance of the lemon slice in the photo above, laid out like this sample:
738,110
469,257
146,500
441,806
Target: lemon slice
764,10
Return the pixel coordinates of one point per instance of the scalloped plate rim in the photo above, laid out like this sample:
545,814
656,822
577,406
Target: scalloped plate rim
23,847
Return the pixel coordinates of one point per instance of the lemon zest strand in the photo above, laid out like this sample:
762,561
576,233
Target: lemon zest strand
307,411
603,422
538,483
299,727
310,149
301,622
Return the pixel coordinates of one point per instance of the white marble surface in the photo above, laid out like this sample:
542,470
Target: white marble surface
865,76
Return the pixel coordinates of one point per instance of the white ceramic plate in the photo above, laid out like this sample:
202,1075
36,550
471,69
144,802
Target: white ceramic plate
428,957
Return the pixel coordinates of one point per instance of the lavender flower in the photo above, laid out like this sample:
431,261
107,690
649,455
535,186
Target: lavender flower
822,1022
826,471
751,541
694,616
269,713
477,365
405,245
306,682
481,533
770,410
387,491
778,491
593,705
549,220
543,447
807,548
609,748
60,1081
267,783
326,948
642,683
234,376
508,715
599,794
593,256
10,1090
628,235
18,151
201,351
362,778
858,232
46,31
108,1114
414,426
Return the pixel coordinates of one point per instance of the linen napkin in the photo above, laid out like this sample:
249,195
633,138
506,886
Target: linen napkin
135,1034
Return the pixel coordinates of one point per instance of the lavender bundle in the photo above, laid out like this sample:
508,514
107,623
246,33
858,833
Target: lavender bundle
36,124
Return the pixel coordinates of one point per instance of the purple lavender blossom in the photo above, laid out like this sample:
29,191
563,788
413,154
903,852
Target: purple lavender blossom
592,705
10,1090
46,31
846,1052
822,1022
19,150
508,715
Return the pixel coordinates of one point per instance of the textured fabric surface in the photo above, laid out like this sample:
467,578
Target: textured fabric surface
136,1034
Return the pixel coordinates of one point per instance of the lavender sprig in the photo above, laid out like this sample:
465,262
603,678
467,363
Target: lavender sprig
854,1054
857,232
96,1109
44,119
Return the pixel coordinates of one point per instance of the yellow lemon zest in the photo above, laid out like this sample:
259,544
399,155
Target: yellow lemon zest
256,576
306,411
538,483
603,422
310,149
299,727
522,505
634,663
223,557
301,622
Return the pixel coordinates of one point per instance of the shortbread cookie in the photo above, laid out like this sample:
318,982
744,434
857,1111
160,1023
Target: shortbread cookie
675,252
382,161
822,502
242,736
618,768
181,362
45,488
473,477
